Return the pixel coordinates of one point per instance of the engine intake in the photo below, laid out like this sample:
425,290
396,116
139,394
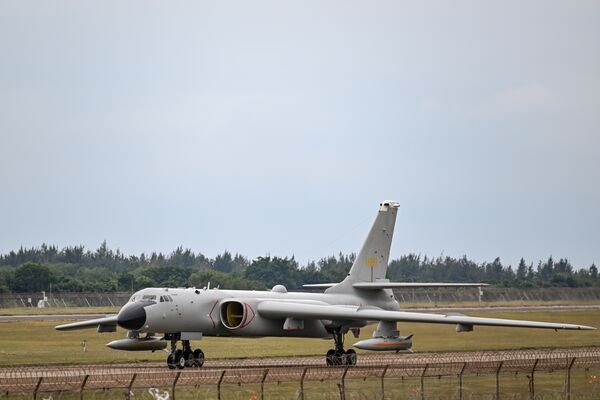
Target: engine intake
234,314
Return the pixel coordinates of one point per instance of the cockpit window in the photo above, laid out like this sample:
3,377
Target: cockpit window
149,297
132,299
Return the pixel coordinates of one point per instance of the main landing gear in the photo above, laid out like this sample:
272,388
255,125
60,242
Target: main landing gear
339,356
186,357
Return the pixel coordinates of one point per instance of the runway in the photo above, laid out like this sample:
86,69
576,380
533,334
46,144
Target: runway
439,310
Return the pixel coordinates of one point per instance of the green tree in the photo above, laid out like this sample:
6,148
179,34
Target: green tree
522,270
31,277
223,262
593,271
273,271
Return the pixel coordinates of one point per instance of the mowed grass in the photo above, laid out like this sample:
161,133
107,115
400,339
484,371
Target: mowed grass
37,342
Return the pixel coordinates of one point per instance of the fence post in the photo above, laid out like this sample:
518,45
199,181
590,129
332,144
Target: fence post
175,384
85,378
219,384
130,386
382,382
460,381
343,394
568,394
302,383
37,387
262,384
423,381
498,380
532,380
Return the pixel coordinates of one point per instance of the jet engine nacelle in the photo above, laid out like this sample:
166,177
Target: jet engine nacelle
240,316
236,314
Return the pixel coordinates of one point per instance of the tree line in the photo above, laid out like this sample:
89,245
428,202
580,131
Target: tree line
76,269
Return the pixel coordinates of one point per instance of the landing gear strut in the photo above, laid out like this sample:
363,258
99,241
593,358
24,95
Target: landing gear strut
186,357
339,356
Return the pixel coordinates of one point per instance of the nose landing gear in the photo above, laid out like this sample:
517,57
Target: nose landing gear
186,357
339,356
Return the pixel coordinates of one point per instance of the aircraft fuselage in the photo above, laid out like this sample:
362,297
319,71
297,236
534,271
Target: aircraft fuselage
215,312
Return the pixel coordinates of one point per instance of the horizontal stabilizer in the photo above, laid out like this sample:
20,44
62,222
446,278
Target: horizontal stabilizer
412,285
99,323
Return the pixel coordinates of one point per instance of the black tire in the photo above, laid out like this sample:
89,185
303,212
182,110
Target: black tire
330,357
179,359
171,361
350,357
198,357
339,358
189,358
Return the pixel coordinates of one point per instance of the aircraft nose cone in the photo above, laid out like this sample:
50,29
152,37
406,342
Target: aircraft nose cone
132,316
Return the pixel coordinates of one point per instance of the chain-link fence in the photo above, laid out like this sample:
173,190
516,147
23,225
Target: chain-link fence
530,374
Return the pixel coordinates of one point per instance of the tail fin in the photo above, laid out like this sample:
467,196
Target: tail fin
371,262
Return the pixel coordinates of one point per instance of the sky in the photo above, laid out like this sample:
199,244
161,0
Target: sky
277,127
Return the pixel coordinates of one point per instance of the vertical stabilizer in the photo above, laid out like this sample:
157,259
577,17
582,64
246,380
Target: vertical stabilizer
371,262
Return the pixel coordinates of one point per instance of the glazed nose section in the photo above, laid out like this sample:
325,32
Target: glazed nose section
132,316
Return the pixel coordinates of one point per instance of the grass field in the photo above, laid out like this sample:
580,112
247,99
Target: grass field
37,342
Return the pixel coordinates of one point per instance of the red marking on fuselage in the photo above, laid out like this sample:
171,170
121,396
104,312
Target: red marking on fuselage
210,314
247,320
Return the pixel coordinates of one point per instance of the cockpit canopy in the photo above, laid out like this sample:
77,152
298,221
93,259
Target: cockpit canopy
150,297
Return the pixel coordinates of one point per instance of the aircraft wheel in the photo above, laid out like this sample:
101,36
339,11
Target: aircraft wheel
350,357
339,358
171,361
198,357
179,359
330,357
189,359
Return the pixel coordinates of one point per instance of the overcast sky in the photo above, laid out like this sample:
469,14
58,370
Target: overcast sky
277,127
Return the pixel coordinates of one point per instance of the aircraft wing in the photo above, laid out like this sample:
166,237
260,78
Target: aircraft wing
274,309
105,324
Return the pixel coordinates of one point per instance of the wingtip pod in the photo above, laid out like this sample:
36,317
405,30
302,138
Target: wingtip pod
586,328
571,327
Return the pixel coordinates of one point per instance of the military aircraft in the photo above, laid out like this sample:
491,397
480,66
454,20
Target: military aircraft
365,296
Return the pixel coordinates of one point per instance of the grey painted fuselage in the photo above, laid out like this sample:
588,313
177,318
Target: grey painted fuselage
198,310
